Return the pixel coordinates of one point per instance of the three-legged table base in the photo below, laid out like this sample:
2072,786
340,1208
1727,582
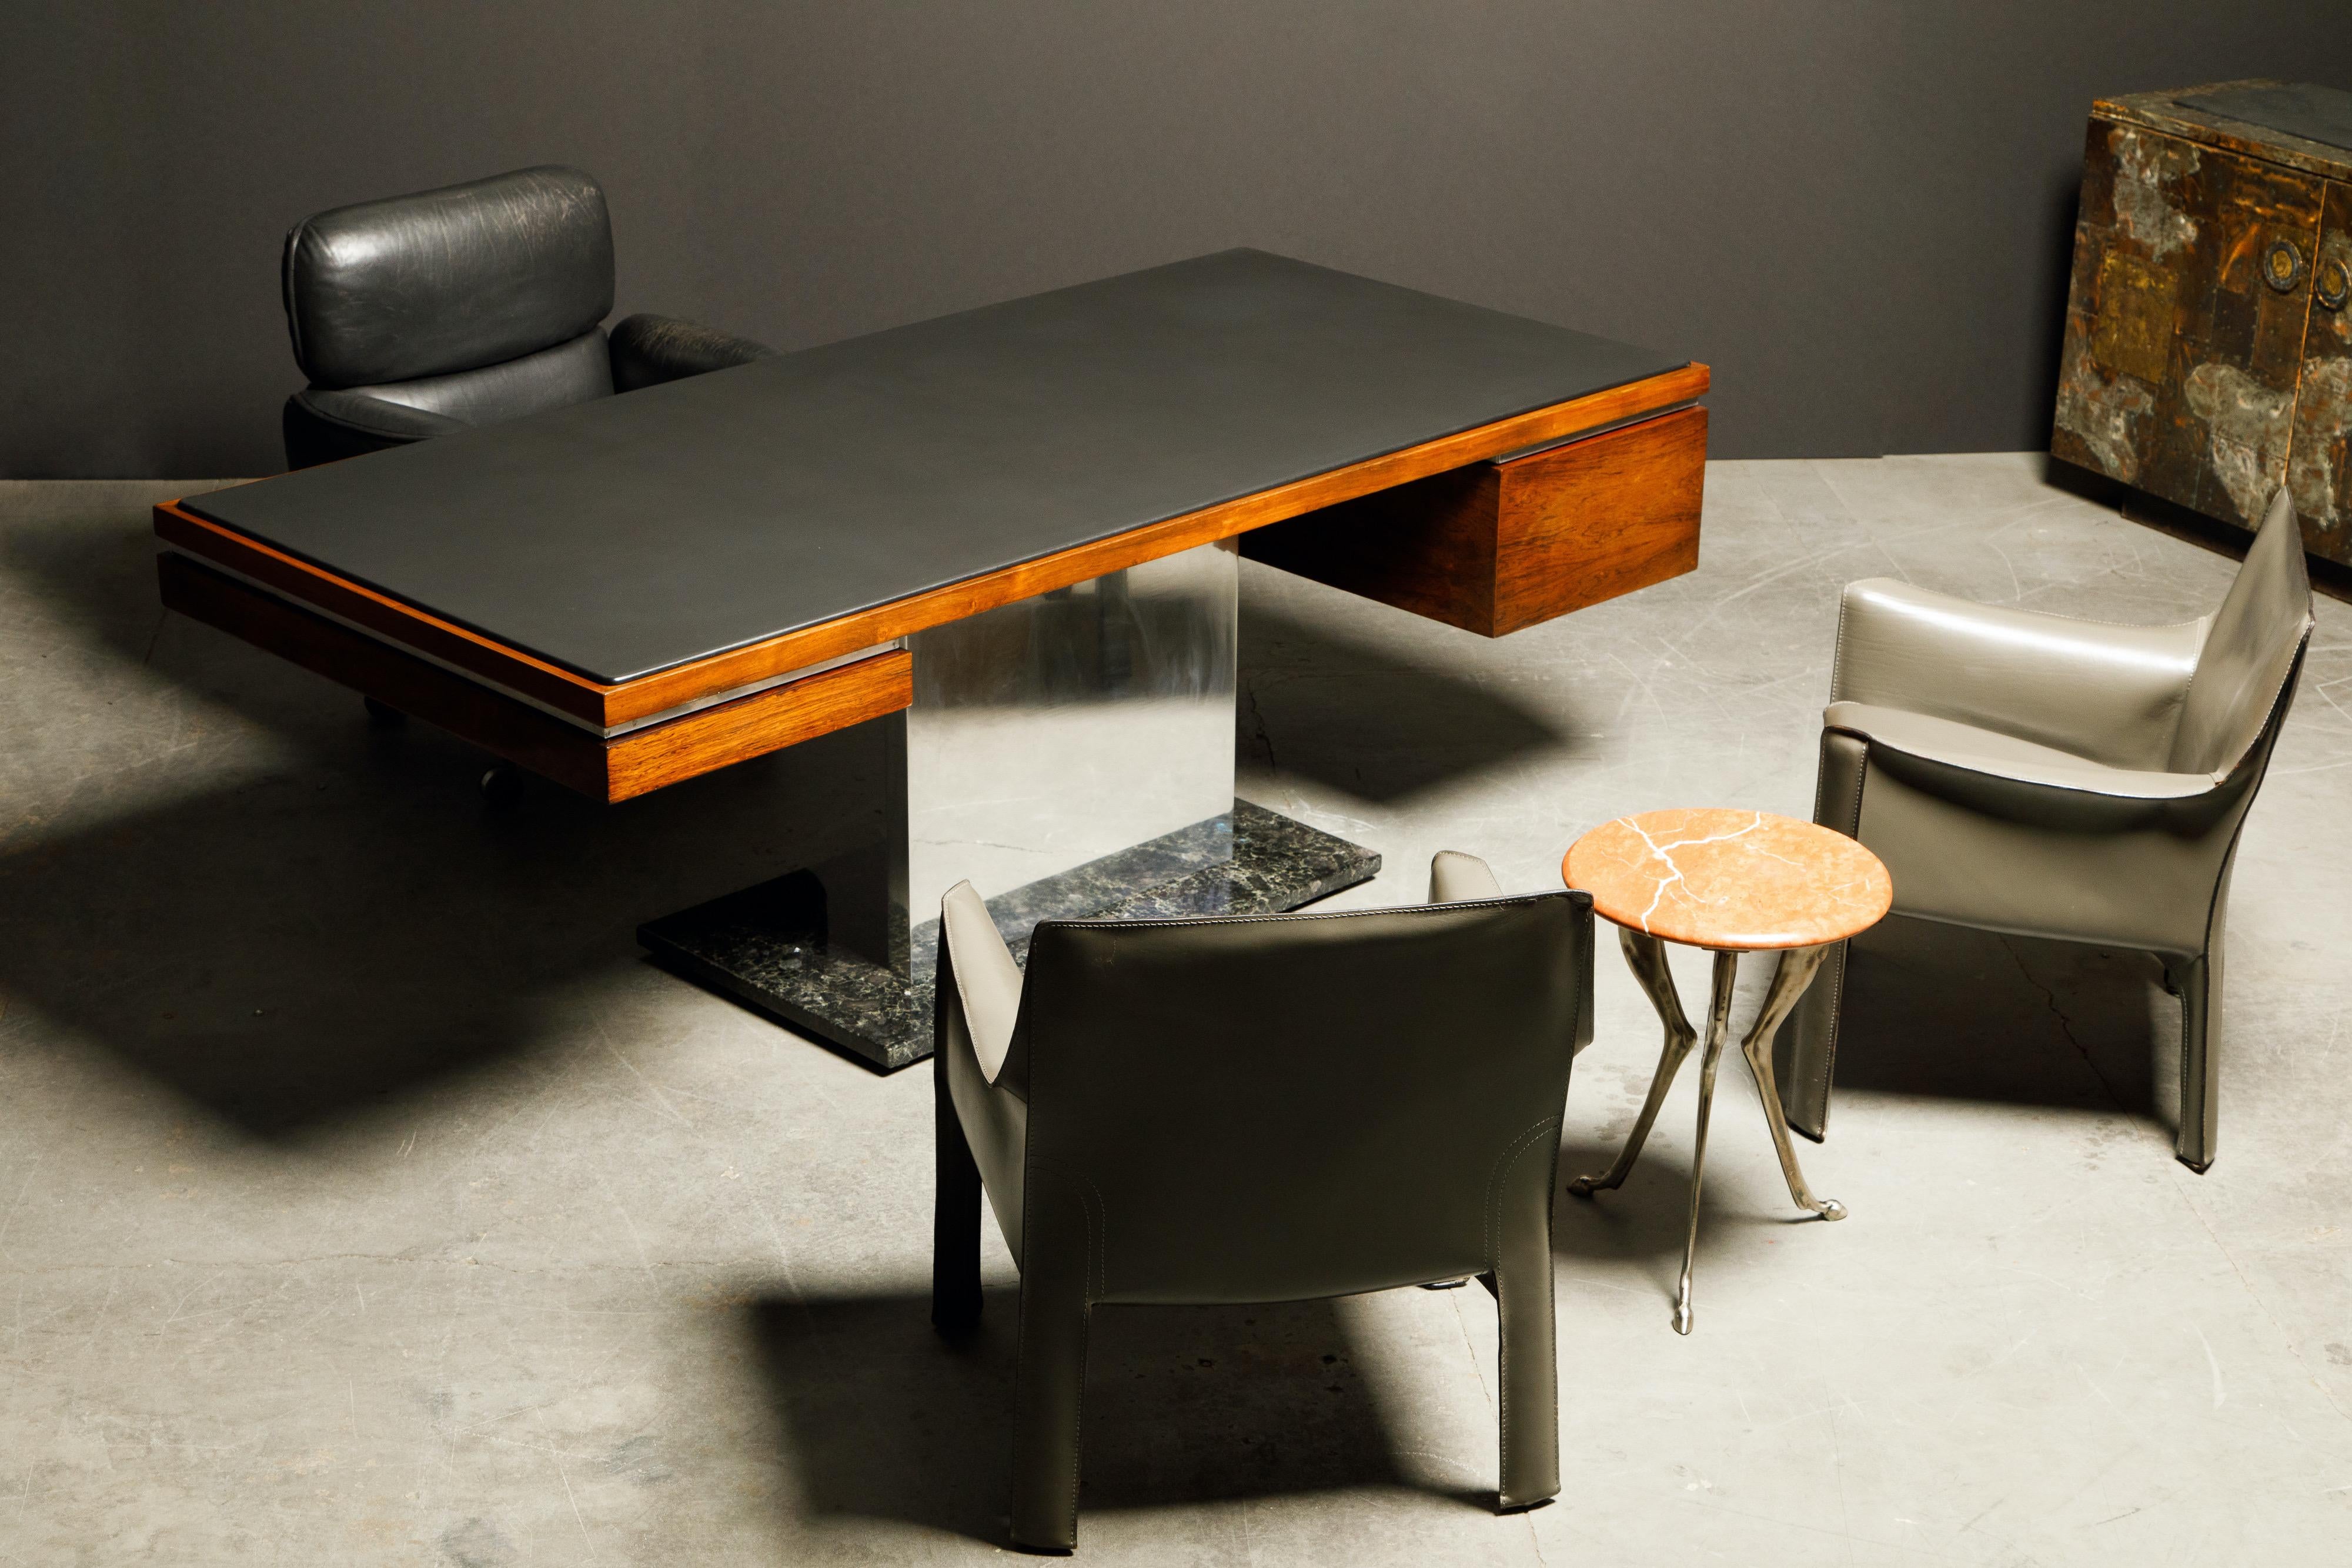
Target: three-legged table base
1646,956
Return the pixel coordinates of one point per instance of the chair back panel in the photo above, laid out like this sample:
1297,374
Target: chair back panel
1291,1106
450,280
2242,672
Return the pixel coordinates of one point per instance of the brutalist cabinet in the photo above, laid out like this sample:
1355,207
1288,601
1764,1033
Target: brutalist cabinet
2209,328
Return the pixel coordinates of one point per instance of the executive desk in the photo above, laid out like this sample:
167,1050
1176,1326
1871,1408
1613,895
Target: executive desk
1010,536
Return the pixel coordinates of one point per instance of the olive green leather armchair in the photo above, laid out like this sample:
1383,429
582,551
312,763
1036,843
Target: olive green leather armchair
1257,1109
2042,776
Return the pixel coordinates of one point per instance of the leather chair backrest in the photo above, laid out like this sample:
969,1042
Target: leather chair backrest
1289,1106
449,280
2243,671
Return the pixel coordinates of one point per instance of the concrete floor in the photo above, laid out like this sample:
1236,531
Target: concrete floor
365,1198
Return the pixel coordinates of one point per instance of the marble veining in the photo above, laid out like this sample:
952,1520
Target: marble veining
767,945
1730,880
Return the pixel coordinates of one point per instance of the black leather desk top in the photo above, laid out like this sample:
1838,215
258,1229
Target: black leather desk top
620,536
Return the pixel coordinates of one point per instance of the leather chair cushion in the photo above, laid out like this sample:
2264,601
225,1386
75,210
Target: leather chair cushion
448,280
570,372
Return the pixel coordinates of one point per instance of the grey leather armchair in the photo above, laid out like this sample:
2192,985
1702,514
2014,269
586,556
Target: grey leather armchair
1257,1109
420,315
2033,774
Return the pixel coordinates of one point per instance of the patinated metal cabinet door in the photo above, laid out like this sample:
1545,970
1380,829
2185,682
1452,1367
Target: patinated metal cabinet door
2208,352
2185,324
2319,465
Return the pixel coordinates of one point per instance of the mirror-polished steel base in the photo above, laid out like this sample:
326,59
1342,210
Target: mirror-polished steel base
1069,755
767,946
1646,956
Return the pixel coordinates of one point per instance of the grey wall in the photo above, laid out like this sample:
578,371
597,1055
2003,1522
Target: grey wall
1858,213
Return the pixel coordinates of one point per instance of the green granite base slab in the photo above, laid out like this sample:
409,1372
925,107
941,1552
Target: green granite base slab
766,946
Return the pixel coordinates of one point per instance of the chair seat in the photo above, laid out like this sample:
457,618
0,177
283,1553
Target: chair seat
1988,751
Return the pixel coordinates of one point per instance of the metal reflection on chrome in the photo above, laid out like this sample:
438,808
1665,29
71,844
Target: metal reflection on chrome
1049,733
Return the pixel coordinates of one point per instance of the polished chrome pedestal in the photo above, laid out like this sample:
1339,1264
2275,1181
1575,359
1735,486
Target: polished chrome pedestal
1647,957
1071,756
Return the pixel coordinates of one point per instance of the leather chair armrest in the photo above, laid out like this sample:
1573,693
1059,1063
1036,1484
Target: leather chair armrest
650,350
322,425
2108,693
988,982
1456,878
1996,755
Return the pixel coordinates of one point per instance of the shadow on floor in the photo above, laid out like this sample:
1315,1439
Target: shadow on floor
1934,1011
1947,1012
1643,1222
1378,726
339,917
355,921
1183,1406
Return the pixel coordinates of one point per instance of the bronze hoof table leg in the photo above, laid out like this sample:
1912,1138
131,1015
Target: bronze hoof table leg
1647,957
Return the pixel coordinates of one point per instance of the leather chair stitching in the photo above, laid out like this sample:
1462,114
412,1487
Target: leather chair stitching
1501,1169
1508,902
1096,1213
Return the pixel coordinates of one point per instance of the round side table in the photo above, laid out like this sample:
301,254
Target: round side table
1732,882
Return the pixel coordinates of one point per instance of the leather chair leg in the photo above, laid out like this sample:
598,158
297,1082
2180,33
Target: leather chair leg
955,1218
1530,1386
1050,1385
1804,1052
1529,1377
2197,981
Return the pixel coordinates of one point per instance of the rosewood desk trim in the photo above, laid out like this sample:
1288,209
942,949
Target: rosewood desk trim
692,719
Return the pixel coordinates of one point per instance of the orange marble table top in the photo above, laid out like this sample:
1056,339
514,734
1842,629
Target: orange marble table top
1730,881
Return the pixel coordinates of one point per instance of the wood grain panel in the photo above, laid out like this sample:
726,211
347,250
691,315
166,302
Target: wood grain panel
1594,520
1495,547
614,768
606,705
719,736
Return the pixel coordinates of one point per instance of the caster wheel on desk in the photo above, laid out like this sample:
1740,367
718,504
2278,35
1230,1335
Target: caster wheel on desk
501,786
382,716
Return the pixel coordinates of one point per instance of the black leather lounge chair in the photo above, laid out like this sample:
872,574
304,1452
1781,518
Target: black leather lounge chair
415,315
1257,1109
